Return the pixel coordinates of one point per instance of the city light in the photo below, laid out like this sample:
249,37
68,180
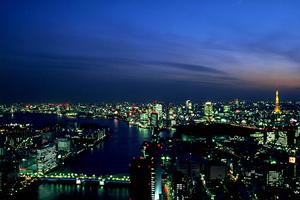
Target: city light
150,100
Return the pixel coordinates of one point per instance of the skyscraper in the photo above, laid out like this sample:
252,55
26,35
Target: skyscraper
159,109
188,105
154,119
208,111
277,106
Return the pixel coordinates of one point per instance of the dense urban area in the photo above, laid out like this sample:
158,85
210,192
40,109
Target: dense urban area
218,150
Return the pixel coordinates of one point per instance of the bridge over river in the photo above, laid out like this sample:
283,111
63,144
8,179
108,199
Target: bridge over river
79,179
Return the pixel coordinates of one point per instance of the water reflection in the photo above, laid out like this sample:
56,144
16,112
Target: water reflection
110,157
60,192
116,123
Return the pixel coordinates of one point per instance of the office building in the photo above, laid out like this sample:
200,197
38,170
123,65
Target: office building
46,159
208,111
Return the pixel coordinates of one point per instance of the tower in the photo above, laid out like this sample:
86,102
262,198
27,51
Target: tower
277,106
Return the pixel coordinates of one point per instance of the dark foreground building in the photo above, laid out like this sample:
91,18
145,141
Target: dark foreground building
140,176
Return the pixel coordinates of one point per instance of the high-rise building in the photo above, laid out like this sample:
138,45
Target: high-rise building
2,146
277,106
140,178
159,109
153,153
189,105
297,134
171,117
144,119
154,119
208,111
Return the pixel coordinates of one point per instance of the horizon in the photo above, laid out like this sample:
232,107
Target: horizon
198,102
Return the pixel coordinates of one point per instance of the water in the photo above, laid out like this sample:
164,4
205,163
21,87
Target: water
113,155
109,157
65,192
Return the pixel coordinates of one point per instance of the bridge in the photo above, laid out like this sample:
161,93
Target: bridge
79,179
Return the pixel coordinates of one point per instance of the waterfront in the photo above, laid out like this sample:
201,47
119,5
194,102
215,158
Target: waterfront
111,156
47,191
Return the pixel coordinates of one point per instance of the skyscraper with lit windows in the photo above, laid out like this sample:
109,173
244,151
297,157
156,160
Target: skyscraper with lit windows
189,106
208,111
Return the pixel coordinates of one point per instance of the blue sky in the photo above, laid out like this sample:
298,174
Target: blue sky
143,50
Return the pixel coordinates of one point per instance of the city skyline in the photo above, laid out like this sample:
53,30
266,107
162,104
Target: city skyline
135,51
149,99
182,101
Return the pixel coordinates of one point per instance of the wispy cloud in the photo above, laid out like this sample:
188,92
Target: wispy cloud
189,67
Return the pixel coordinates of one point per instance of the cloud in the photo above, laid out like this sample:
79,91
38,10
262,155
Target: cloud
63,62
190,67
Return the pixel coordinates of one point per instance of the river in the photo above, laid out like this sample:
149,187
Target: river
111,156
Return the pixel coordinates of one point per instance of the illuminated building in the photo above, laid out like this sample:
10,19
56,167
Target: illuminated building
153,153
171,114
28,164
237,102
154,119
46,159
144,117
12,111
63,144
226,108
292,166
171,117
258,137
274,178
270,138
277,106
297,134
2,146
2,152
159,109
157,172
281,139
208,111
189,105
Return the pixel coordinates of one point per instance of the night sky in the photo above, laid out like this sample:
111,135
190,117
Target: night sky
95,51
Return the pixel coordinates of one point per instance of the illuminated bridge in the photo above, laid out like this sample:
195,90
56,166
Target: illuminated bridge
79,179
